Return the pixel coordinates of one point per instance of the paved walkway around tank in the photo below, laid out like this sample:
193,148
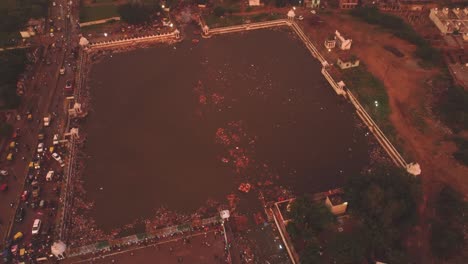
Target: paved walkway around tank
200,248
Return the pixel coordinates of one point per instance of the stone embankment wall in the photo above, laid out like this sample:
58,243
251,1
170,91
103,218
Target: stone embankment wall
100,21
173,36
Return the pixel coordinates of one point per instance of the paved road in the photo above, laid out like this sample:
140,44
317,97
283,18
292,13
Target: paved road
44,95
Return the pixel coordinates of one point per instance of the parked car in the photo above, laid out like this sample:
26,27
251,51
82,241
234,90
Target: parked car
69,86
46,228
24,196
62,71
41,135
29,116
4,172
19,215
4,187
36,226
55,140
50,176
40,147
56,157
37,165
36,191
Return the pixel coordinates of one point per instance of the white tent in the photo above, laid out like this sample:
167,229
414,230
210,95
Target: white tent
224,214
58,248
414,169
83,41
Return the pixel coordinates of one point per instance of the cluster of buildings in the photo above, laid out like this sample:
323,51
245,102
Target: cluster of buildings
345,60
451,21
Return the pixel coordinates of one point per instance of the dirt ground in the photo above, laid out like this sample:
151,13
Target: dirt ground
424,139
103,2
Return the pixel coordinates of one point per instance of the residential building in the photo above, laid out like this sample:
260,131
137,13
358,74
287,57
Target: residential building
254,2
312,3
336,204
347,61
348,4
330,42
344,44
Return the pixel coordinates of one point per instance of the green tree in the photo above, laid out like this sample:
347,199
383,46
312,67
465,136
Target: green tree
12,63
348,248
5,130
310,215
462,153
135,13
385,196
219,11
450,205
292,230
447,232
446,241
280,3
311,252
386,199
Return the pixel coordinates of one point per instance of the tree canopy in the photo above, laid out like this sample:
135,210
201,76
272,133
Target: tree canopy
134,13
447,232
349,248
308,220
310,216
386,200
12,63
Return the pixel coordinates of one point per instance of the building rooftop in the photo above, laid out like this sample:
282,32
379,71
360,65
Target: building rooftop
336,199
348,57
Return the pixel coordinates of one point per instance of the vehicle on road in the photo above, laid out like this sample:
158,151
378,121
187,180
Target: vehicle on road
36,191
24,196
40,147
69,86
55,140
36,226
41,135
6,255
4,172
29,116
12,145
16,134
17,236
10,156
62,71
56,157
50,176
37,165
47,120
19,215
4,187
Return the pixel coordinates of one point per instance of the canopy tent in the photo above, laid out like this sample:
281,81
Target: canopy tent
58,248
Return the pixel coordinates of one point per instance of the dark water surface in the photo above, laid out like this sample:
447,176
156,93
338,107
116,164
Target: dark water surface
152,143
